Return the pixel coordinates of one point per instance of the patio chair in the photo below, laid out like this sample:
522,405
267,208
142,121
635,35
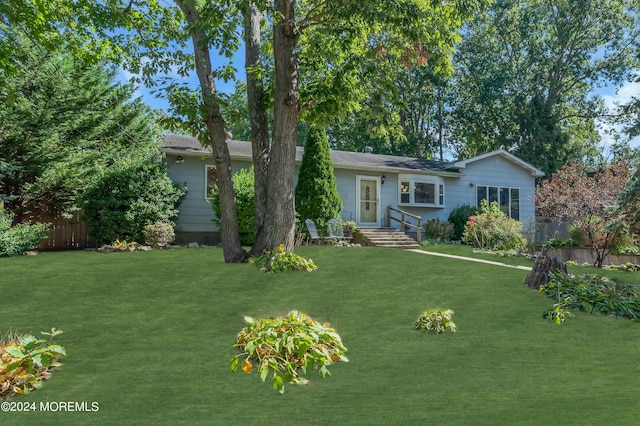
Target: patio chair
313,231
335,230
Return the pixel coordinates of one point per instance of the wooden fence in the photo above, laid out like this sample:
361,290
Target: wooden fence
67,233
547,227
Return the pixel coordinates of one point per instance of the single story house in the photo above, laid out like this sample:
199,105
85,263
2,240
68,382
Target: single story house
368,184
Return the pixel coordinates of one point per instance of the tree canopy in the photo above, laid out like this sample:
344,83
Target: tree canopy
523,78
63,123
525,71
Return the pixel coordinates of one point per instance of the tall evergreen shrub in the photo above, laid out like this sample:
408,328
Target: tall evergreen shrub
63,124
316,191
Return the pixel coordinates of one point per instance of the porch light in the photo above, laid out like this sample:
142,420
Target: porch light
382,179
179,159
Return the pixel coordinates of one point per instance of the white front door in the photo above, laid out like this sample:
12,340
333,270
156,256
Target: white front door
368,207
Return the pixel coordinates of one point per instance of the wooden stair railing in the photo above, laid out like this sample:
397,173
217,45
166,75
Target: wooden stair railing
403,223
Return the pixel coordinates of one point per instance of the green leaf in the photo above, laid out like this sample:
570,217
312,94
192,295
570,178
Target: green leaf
29,341
324,371
15,352
234,364
58,349
37,360
302,349
264,372
250,347
11,367
278,383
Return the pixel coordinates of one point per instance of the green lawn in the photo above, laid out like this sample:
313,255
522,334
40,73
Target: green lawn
149,337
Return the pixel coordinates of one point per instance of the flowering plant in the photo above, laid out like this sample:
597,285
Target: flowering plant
491,229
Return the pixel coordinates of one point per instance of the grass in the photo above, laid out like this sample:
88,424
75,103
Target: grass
149,337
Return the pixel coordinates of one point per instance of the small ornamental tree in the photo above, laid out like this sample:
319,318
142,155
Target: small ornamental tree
316,191
585,200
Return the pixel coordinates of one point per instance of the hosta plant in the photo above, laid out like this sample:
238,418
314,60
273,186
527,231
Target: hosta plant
436,320
594,294
288,349
279,260
26,361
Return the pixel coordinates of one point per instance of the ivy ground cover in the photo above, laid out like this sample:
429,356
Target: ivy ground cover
149,336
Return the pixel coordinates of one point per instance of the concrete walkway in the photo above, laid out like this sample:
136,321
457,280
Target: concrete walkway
471,259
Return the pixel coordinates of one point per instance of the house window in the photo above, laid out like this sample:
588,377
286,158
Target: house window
422,191
210,180
507,198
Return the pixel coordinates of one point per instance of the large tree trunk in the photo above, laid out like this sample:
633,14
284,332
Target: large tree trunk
229,230
259,124
280,222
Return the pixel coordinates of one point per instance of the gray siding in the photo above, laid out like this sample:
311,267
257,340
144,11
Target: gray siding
196,213
500,172
346,182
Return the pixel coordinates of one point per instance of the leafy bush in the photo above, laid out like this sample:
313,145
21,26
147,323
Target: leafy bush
438,230
593,293
26,361
159,234
288,348
280,260
244,187
622,250
458,217
126,199
493,230
554,243
16,239
436,320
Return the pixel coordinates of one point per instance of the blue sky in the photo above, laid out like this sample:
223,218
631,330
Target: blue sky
610,95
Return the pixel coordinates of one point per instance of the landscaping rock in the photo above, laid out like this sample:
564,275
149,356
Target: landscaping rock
194,245
145,248
175,247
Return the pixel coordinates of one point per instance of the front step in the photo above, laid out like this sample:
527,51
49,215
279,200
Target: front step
388,237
